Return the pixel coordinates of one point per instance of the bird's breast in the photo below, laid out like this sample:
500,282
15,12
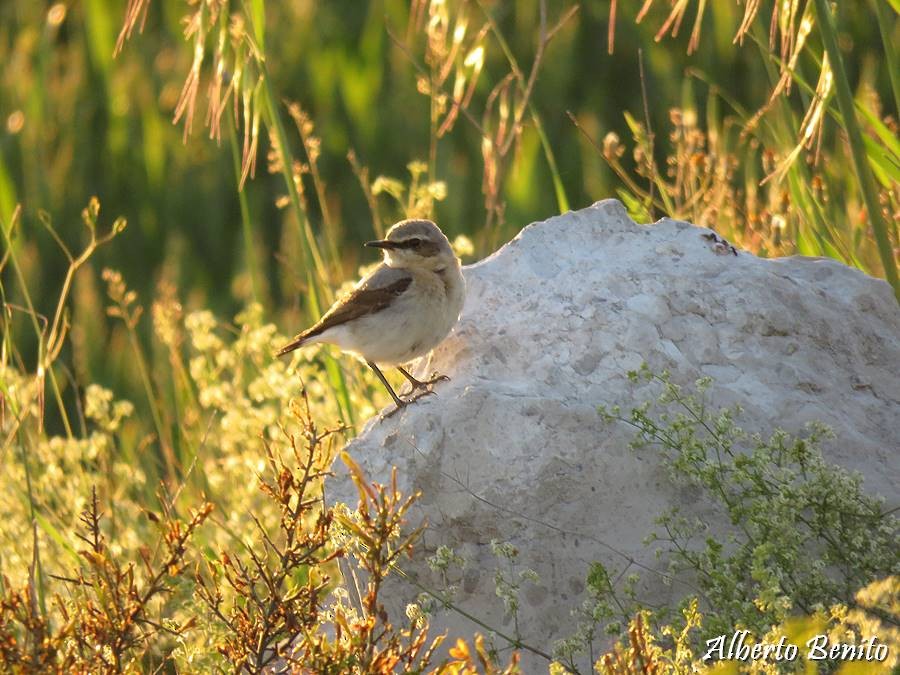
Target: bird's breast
435,301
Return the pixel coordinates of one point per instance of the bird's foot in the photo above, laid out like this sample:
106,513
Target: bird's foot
404,401
437,378
421,394
416,385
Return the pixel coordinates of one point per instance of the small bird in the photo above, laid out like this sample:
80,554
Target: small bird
401,310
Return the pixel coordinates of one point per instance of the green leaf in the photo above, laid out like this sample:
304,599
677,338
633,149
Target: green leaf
881,130
258,10
598,578
883,164
884,159
100,34
7,195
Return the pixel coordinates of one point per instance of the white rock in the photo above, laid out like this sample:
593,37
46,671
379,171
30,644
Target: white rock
513,448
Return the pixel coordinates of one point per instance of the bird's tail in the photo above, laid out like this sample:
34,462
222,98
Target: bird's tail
296,343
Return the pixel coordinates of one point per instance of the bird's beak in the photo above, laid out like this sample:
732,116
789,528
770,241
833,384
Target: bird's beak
382,243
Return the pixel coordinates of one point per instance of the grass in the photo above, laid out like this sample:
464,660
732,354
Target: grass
857,147
138,363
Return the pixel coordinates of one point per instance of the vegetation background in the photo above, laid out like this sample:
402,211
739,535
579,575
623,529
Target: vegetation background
303,128
81,122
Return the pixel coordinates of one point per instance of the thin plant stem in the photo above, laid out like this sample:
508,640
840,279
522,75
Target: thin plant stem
329,224
362,174
37,329
246,225
562,200
650,136
315,266
525,89
164,441
38,568
514,641
433,130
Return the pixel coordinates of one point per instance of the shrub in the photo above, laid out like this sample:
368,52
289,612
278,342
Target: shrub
803,535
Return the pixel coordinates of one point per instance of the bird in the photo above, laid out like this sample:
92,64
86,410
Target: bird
401,310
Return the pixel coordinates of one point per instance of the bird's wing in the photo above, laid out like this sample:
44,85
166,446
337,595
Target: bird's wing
372,294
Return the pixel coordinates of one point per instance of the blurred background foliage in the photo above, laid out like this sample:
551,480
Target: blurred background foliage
136,362
79,121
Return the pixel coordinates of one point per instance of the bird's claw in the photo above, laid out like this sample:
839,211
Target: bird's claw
417,385
406,401
424,384
412,397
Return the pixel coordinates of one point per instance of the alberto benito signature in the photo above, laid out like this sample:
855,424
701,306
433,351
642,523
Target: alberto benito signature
818,648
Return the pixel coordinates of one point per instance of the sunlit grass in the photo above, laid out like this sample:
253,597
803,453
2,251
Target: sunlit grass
717,170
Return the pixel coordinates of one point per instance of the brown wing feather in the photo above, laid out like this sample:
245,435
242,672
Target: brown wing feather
360,301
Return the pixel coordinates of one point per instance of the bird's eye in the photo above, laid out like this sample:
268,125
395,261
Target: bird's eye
413,243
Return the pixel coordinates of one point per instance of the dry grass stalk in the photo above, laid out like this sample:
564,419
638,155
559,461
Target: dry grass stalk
790,26
235,72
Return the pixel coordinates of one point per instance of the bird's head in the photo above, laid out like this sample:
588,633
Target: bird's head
416,243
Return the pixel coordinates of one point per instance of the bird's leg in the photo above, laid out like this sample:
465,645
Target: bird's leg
397,400
420,384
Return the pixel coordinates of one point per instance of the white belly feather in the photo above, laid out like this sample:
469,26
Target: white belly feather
416,322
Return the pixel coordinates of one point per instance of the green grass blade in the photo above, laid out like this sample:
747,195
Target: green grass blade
258,10
890,55
885,160
316,272
57,537
315,267
562,200
7,193
246,224
101,36
857,146
884,134
886,169
32,510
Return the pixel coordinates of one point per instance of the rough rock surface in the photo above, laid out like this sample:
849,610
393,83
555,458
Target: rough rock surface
513,449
